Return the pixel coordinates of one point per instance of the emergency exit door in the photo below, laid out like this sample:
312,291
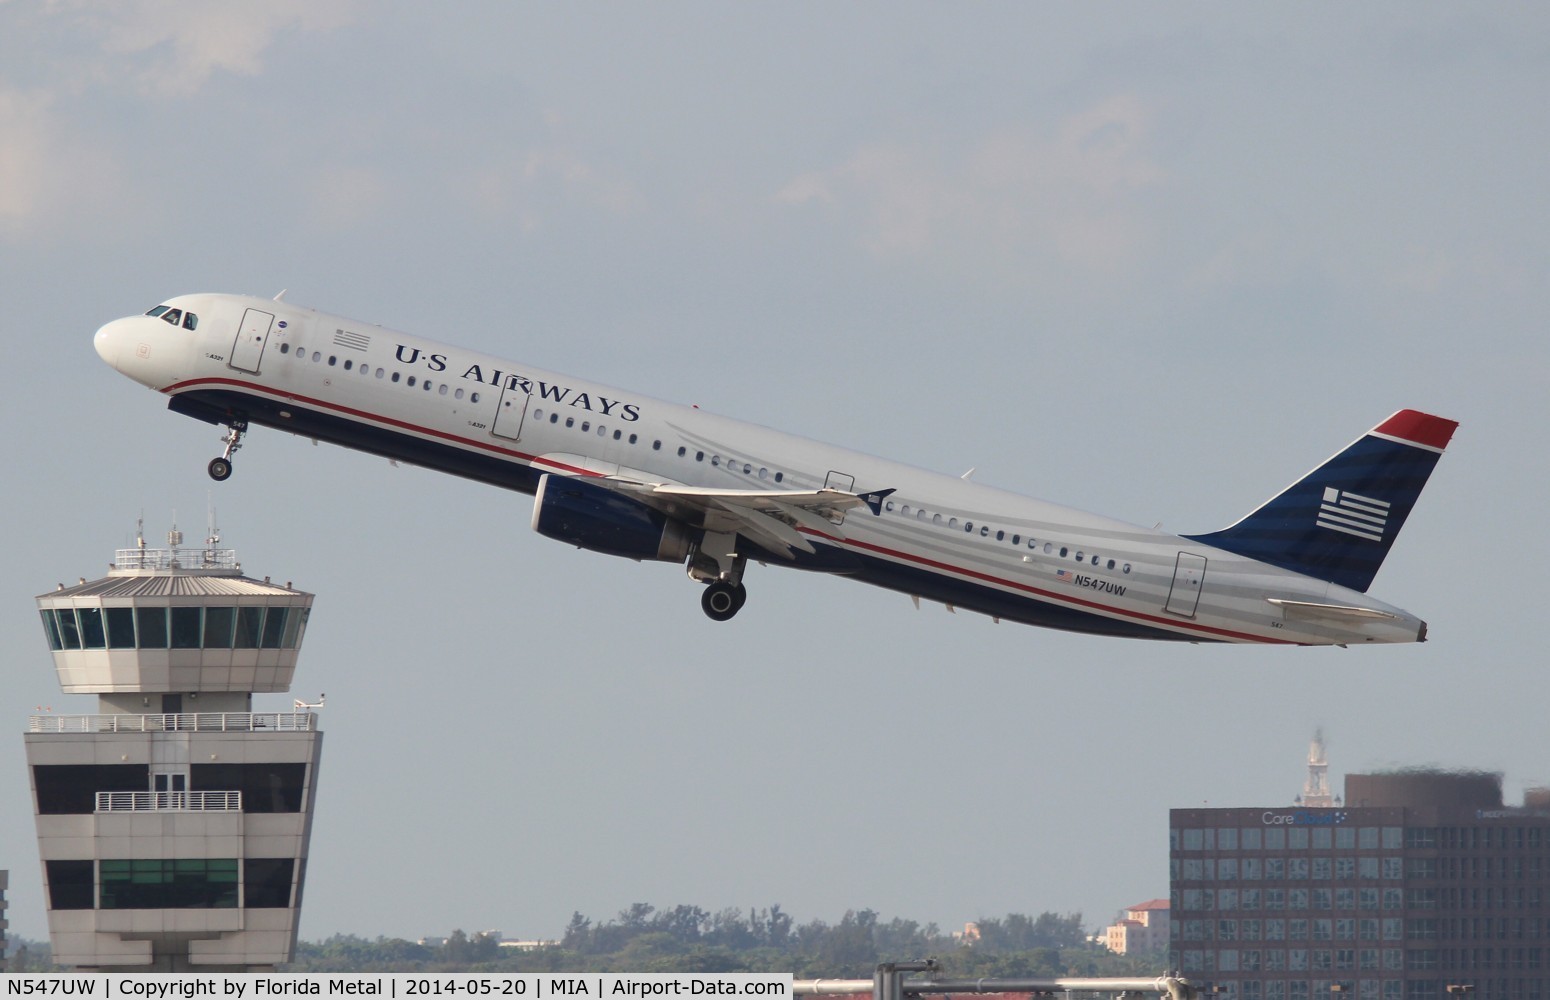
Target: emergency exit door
1188,575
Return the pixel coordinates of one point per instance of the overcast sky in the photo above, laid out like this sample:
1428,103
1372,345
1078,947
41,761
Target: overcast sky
1151,260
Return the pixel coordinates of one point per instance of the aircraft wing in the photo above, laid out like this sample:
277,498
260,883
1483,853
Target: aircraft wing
772,518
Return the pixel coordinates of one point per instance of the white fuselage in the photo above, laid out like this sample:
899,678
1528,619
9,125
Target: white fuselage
937,536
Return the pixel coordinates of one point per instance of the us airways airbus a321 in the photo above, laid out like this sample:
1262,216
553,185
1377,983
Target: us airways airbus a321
628,475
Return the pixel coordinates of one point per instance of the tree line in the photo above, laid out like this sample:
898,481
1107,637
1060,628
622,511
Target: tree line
685,938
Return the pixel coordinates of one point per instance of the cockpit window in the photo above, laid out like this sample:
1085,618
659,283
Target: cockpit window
190,321
156,311
172,316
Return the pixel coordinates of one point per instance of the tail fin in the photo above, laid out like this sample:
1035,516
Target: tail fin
1338,522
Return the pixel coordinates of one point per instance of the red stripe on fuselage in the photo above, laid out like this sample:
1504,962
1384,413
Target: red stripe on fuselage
880,550
379,419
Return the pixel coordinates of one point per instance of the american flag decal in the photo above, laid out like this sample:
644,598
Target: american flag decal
1353,514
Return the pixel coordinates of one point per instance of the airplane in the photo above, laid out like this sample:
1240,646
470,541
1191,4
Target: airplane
625,474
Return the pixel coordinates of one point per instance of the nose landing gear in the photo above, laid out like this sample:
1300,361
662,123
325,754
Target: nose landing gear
722,600
220,468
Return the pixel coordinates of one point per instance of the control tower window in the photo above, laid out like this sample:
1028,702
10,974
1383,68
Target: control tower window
218,626
92,635
51,626
152,624
186,628
121,627
274,628
249,622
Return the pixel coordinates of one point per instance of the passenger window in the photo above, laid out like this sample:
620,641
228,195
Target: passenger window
764,473
554,418
172,316
395,376
905,510
618,435
285,348
570,421
1126,568
586,425
779,476
473,398
1063,551
441,390
1048,548
602,431
458,394
347,364
699,456
1095,558
1017,540
715,460
317,355
190,321
984,530
410,382
1111,564
952,522
1001,535
426,385
682,451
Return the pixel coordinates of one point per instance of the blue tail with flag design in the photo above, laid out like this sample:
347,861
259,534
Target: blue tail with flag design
1338,522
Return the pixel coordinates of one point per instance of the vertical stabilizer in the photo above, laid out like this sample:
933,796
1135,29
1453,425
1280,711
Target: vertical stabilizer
1338,522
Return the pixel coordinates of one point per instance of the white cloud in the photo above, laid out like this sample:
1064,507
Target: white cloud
46,173
1064,195
176,45
536,179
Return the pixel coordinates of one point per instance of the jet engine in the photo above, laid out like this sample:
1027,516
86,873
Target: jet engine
597,518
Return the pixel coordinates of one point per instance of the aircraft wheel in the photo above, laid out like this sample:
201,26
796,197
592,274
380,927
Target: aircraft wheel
722,600
220,469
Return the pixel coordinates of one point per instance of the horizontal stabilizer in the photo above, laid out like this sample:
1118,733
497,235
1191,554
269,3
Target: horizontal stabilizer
1338,522
1338,612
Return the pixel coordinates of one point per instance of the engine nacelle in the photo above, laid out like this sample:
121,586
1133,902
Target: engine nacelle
597,518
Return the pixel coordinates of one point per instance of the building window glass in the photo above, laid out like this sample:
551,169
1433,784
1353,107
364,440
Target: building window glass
186,628
70,884
249,627
168,883
218,626
274,628
92,633
151,624
121,627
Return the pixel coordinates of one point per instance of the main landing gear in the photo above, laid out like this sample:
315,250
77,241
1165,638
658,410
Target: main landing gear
716,562
220,468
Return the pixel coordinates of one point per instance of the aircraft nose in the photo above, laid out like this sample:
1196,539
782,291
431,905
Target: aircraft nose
109,340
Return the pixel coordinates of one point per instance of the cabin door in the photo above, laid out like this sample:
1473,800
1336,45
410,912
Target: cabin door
248,349
510,411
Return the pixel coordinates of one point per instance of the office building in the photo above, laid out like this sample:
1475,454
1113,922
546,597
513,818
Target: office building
1422,884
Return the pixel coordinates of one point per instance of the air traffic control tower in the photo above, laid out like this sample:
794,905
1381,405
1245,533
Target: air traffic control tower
173,824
